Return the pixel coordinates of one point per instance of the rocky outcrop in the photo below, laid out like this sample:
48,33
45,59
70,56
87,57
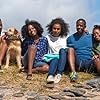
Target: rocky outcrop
89,90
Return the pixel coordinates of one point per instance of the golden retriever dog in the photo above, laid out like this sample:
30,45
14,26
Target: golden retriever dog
14,47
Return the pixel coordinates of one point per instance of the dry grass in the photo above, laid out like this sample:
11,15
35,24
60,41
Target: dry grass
12,77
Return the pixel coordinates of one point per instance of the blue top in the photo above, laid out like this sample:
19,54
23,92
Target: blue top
25,44
42,47
82,45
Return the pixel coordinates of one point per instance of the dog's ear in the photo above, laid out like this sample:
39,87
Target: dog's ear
16,32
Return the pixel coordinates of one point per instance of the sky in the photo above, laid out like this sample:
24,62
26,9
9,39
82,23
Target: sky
15,12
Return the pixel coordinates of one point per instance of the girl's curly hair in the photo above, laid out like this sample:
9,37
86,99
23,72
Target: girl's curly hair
37,26
24,30
64,26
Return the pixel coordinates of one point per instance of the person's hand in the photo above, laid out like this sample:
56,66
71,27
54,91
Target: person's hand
0,39
95,57
86,30
3,38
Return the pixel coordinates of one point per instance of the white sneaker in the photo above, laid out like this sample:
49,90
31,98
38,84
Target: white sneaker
57,78
50,79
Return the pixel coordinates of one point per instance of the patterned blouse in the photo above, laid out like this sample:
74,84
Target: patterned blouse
42,47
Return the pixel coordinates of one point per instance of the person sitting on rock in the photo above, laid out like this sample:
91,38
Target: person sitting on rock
58,31
37,47
96,47
80,50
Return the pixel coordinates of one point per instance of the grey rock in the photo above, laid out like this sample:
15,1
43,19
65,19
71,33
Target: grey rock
1,96
46,98
92,84
76,91
96,80
32,93
20,94
77,85
87,87
80,98
67,94
96,89
57,96
95,83
91,95
37,97
82,86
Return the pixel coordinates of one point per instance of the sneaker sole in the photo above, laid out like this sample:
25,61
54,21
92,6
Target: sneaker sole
50,82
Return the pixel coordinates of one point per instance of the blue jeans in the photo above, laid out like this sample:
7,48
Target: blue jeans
83,64
57,65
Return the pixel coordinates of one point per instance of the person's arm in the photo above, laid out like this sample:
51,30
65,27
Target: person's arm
32,49
95,57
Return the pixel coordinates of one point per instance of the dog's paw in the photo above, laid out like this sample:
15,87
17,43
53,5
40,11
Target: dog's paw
5,67
20,67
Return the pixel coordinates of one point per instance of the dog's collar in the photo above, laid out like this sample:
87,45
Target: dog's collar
12,37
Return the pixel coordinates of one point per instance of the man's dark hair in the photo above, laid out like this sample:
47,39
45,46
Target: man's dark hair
83,20
64,26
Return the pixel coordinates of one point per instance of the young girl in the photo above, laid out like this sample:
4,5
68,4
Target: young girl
96,47
37,47
58,31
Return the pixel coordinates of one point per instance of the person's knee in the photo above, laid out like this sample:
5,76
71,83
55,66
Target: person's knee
97,61
97,64
45,67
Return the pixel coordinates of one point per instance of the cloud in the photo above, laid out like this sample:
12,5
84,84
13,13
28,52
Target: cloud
14,12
